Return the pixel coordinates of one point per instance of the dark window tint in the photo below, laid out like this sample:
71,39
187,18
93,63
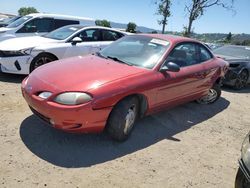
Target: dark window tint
184,55
61,23
90,35
38,25
110,35
205,54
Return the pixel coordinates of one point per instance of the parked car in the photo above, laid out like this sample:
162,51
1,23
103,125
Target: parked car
134,76
8,21
243,174
40,24
23,55
239,65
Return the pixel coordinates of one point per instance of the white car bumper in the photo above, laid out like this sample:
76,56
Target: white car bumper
16,65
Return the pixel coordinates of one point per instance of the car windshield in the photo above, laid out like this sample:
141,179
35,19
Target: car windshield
63,32
19,21
233,51
142,51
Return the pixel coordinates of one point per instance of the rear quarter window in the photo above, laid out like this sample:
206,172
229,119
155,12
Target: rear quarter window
60,23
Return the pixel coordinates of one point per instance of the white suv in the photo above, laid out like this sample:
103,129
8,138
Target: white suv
40,24
23,55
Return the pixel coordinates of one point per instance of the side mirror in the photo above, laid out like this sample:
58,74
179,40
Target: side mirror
76,40
170,66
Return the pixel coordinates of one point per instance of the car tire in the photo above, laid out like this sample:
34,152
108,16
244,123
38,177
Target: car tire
122,119
213,95
241,80
240,180
40,60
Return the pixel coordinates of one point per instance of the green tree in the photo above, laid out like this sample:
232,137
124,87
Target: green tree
197,8
131,27
163,9
229,37
104,23
26,10
154,32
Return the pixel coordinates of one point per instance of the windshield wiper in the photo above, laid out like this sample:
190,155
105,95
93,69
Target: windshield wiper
119,60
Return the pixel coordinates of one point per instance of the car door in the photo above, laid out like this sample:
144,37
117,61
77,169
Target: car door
182,86
37,26
91,39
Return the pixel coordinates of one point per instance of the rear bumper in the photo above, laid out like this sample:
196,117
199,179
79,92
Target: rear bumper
73,119
16,65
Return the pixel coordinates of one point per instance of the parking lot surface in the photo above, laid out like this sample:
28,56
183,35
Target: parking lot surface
188,146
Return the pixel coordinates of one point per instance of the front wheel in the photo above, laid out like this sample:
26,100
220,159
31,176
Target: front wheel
122,119
213,95
241,181
41,60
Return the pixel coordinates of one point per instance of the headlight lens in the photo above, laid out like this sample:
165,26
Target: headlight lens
45,95
245,151
16,53
72,98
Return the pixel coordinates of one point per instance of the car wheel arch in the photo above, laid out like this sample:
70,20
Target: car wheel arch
42,54
142,99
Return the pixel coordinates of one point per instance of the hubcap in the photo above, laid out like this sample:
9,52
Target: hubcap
41,61
241,80
211,97
130,119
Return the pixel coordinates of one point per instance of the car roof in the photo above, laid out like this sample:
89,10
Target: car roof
170,38
59,16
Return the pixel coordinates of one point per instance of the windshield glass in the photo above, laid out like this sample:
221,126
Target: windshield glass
137,50
234,51
19,21
63,32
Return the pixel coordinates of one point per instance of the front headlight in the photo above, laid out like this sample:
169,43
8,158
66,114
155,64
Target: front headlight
245,151
45,94
72,98
17,53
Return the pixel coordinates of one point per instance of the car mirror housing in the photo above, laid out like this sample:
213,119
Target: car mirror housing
170,66
76,40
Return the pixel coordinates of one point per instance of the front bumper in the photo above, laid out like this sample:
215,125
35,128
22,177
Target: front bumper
230,77
16,65
73,119
245,170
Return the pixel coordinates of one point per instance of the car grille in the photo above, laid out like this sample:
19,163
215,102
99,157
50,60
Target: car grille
44,118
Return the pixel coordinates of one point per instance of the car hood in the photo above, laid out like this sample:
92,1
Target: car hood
80,74
23,43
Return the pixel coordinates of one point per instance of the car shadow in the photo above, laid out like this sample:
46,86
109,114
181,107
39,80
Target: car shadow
231,90
11,78
75,151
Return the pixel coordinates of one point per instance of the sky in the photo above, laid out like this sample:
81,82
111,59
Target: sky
143,13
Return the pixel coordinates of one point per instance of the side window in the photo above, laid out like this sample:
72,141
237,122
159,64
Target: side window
60,23
185,54
38,25
205,54
90,35
110,35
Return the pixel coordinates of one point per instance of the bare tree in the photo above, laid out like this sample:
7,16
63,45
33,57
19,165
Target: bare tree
163,9
197,7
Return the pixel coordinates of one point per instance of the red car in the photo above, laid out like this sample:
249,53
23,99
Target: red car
133,77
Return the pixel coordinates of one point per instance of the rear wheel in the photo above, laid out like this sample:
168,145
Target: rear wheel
122,119
241,181
212,96
241,80
41,60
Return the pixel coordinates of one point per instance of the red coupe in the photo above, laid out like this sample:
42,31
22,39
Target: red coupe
133,77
